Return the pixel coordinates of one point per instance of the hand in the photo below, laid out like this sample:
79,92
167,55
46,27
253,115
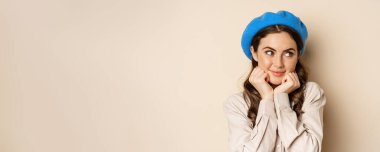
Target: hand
289,83
259,79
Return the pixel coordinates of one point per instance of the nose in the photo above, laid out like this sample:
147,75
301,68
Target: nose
277,62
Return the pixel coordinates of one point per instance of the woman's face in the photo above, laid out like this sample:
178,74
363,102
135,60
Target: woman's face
277,55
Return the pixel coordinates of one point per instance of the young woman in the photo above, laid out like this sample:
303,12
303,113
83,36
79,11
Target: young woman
279,110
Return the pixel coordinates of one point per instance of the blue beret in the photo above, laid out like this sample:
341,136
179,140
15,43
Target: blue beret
267,19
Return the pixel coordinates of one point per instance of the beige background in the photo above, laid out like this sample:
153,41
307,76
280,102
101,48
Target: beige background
148,76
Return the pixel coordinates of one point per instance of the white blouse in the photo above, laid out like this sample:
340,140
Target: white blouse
277,127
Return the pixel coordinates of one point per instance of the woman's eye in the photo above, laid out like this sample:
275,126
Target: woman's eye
269,52
289,54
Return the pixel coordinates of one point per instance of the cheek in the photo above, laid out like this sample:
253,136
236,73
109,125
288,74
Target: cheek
291,65
264,63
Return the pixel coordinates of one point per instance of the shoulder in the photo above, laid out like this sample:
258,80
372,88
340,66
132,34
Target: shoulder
235,102
313,89
314,94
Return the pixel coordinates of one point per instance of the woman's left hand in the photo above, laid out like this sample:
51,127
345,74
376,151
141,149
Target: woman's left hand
289,83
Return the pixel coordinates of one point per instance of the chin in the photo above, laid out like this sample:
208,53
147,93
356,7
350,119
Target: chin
275,81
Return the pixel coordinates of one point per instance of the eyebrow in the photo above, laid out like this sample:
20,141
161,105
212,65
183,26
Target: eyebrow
276,50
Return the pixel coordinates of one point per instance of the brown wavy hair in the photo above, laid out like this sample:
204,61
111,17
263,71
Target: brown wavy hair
297,96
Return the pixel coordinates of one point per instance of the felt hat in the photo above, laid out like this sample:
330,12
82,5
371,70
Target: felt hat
268,19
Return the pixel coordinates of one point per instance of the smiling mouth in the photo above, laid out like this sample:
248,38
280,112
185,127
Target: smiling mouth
277,74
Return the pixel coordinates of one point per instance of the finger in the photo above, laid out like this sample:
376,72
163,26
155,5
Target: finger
288,77
259,69
261,75
254,71
285,78
266,77
256,75
253,74
297,79
291,78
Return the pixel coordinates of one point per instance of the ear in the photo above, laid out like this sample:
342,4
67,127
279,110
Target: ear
254,53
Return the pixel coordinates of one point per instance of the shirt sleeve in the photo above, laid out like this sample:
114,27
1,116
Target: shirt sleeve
306,132
242,135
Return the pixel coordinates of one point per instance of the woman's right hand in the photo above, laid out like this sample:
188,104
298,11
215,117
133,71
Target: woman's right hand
258,79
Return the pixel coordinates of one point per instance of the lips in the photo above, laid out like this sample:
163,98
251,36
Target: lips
277,74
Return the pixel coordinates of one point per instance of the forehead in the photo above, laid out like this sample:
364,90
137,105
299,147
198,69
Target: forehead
278,41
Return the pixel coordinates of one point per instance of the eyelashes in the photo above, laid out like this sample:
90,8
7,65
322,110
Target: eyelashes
286,53
289,54
269,52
